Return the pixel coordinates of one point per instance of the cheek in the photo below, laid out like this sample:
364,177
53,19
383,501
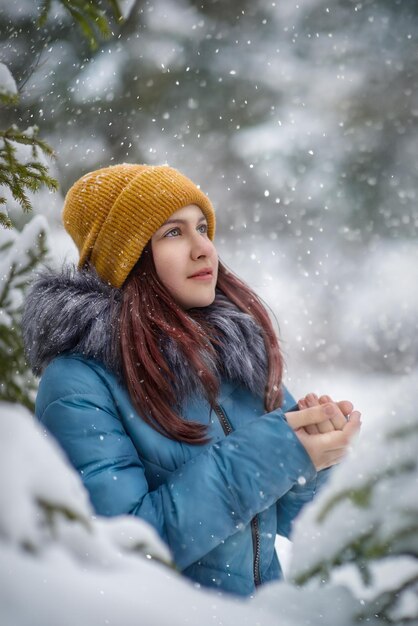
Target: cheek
160,260
165,268
214,257
167,265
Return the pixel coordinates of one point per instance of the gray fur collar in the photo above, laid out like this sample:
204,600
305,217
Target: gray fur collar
73,311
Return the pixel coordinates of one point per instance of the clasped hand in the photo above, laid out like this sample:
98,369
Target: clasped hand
325,428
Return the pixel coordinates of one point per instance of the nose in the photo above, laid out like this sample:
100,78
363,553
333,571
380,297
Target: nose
201,246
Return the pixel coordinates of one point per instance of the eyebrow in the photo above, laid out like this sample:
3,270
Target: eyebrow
180,221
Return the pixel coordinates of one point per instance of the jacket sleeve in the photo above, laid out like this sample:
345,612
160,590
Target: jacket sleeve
290,505
205,500
302,492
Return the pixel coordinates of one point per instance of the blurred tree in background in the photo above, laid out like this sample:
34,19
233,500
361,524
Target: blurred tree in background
24,169
299,119
315,105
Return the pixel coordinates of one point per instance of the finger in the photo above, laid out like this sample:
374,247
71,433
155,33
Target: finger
312,429
311,415
343,409
341,439
328,425
353,425
312,399
302,403
324,399
346,407
333,423
338,422
331,442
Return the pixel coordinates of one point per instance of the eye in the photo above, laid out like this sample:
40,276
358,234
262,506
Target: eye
174,232
203,228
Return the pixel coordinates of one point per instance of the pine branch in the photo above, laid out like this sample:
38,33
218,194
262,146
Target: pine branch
5,221
381,606
362,552
52,510
406,431
26,137
18,384
89,17
21,177
98,17
44,11
9,99
117,14
361,497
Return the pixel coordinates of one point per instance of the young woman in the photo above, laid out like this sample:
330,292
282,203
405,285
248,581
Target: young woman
162,380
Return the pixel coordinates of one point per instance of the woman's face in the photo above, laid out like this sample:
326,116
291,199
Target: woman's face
185,258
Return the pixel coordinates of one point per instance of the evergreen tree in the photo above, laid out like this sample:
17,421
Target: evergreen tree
20,254
363,529
327,95
23,169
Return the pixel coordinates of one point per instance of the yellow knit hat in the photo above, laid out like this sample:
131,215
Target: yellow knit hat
112,213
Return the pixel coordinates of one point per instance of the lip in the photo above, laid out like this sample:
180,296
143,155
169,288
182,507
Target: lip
204,274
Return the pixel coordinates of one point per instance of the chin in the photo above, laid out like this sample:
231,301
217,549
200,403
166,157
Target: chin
200,303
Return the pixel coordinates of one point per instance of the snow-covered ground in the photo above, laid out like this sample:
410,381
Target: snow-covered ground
362,530
61,566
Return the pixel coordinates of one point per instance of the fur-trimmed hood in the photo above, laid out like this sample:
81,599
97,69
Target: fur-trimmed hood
72,311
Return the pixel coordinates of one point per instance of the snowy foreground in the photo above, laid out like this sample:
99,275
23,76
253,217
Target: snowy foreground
60,566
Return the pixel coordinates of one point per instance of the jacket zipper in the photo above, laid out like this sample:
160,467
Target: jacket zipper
225,423
255,531
256,548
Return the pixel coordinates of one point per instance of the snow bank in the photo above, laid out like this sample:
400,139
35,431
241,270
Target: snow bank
7,82
17,250
363,529
61,565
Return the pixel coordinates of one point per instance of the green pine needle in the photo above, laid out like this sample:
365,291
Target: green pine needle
19,177
93,21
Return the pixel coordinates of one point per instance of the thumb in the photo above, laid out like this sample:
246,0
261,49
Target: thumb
353,424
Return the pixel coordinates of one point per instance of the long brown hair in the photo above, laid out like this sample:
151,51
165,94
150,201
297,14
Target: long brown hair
149,314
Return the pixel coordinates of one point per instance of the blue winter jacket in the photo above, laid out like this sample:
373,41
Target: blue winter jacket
218,506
